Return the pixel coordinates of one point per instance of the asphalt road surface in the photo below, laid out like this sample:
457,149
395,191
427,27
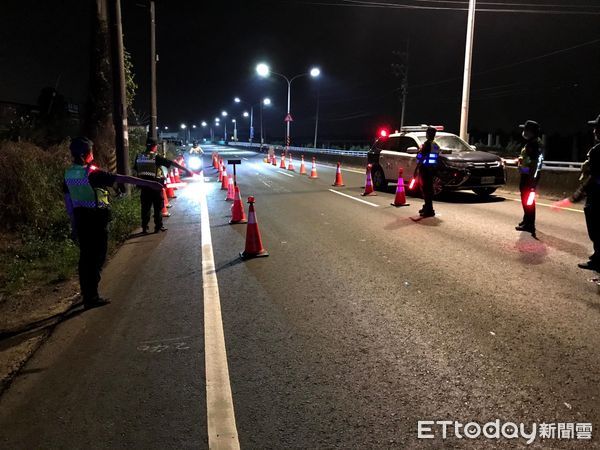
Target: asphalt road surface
359,324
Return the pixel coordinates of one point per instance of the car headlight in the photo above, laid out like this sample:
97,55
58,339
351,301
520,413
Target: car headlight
194,163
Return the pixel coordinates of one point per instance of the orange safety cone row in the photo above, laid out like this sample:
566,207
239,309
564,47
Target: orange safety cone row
254,246
400,199
302,166
368,183
282,164
225,180
313,170
291,164
230,192
338,176
165,212
238,215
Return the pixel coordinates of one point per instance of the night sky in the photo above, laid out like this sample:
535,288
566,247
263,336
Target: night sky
208,51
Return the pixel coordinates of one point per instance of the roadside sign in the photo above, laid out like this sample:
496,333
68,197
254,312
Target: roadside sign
288,118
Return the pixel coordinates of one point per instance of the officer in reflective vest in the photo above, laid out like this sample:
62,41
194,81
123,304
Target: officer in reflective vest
530,164
427,163
149,166
589,187
87,203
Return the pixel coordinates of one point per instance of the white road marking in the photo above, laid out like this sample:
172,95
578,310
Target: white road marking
222,430
265,183
354,198
548,206
286,174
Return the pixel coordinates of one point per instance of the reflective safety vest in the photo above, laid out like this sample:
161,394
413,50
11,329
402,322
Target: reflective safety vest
146,166
83,195
429,159
527,165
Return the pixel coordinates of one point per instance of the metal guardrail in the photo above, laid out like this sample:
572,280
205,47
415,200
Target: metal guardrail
558,166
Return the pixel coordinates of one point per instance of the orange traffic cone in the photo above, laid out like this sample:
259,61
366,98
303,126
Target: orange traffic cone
177,177
254,247
400,199
313,171
165,212
302,167
216,160
220,171
282,164
274,160
368,183
291,164
230,192
225,180
338,176
238,215
170,190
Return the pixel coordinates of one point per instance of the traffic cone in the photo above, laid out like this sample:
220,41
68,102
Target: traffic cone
165,212
338,176
225,180
274,160
170,190
313,170
254,247
302,167
220,171
400,199
238,215
282,165
230,192
177,177
291,164
216,160
368,183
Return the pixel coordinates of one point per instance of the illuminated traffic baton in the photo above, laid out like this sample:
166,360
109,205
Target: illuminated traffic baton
530,198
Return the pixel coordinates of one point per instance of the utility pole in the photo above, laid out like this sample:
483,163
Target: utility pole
400,70
153,59
317,116
464,110
120,93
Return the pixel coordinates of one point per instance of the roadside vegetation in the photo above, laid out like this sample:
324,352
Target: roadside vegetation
35,244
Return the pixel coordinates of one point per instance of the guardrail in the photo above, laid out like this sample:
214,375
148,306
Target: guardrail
558,166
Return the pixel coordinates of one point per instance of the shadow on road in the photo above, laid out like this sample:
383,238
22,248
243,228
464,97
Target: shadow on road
531,251
231,263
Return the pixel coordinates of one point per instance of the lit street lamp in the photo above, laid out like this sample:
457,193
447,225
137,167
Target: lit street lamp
224,114
234,129
238,100
264,71
266,102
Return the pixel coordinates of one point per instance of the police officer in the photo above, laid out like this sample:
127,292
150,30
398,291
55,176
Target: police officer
149,166
427,162
196,149
87,204
530,164
589,187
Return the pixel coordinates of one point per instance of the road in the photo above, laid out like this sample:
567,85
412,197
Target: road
359,324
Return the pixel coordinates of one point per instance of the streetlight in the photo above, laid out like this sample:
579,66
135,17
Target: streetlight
245,114
234,129
238,100
183,126
263,70
224,114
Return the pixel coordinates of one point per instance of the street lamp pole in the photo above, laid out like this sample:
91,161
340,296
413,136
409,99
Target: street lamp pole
464,110
317,116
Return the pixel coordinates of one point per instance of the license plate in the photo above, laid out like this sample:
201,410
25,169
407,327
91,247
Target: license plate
488,180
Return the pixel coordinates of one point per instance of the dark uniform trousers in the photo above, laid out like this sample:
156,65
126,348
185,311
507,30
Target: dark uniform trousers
151,198
526,184
92,234
592,219
427,175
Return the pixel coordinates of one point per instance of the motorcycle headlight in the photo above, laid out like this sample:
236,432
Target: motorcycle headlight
195,163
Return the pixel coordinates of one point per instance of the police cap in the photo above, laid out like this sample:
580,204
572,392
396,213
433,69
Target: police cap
531,125
81,146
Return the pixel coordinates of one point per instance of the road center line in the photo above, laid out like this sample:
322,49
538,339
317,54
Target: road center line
286,174
354,198
222,431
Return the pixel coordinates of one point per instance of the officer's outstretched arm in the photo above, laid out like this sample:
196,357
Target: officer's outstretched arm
139,182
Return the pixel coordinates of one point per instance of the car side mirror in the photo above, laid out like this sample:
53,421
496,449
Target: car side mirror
412,150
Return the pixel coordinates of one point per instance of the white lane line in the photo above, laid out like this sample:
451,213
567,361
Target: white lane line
549,206
354,198
222,431
286,174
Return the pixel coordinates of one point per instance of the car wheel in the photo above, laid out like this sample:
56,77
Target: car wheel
484,192
379,181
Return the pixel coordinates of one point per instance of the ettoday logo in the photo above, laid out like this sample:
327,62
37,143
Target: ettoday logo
429,429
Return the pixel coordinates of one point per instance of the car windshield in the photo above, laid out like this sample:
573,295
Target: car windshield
453,143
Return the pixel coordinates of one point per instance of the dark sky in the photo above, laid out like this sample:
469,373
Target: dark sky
208,51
